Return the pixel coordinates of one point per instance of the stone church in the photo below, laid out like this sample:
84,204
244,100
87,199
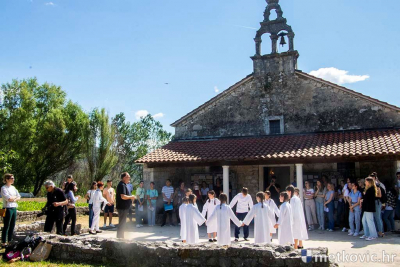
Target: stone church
279,121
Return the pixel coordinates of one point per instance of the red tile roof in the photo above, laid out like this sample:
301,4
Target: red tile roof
299,146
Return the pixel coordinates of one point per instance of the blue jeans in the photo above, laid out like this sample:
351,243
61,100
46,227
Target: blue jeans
389,219
331,219
354,217
320,213
90,215
139,214
398,208
378,216
369,225
151,215
241,217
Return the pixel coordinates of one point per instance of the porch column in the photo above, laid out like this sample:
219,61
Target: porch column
299,180
225,176
398,166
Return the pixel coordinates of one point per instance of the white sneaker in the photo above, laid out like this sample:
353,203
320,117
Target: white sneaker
330,230
112,225
351,233
370,238
138,226
361,232
363,236
355,234
105,226
344,229
310,228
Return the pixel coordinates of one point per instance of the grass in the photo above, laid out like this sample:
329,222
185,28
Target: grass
29,205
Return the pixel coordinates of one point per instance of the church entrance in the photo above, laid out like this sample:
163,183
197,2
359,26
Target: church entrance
282,175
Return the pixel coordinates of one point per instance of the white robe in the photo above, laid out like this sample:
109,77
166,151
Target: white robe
182,216
262,222
208,209
275,211
298,219
193,220
223,215
285,234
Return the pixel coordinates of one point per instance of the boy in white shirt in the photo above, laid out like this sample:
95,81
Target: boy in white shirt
244,204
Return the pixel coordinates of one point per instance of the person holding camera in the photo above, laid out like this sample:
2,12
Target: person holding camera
274,188
54,209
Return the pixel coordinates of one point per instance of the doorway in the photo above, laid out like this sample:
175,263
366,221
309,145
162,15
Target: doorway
282,175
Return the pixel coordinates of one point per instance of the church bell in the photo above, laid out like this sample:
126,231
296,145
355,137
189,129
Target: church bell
283,42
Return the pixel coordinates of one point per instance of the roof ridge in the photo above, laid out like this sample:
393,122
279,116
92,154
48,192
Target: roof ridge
348,90
223,93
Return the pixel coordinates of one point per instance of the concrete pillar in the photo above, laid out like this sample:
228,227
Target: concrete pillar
299,180
258,46
274,40
225,176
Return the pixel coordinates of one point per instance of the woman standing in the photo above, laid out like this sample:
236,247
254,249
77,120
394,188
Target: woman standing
222,216
69,194
330,206
274,211
208,209
285,233
89,198
193,220
320,192
98,200
388,215
309,204
368,206
355,210
178,196
10,197
152,195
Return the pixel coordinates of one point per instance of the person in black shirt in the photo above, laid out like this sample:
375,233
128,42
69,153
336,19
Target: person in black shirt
124,201
369,208
275,189
55,210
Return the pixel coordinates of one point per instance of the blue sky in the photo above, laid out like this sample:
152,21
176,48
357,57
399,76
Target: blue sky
119,54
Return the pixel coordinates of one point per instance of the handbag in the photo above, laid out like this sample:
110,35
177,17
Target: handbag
3,212
168,207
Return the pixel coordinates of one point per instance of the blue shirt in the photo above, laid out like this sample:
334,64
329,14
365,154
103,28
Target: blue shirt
328,195
152,193
130,188
354,196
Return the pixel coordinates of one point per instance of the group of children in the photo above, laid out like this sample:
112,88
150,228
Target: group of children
291,223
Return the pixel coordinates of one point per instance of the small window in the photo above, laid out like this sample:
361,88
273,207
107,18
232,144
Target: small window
274,126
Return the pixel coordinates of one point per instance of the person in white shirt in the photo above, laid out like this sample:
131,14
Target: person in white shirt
193,220
310,207
223,215
275,211
299,226
89,196
244,203
208,209
10,197
97,200
284,224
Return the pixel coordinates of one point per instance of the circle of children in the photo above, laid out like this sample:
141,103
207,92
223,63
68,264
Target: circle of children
360,204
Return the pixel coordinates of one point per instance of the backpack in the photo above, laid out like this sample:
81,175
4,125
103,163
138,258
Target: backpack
383,199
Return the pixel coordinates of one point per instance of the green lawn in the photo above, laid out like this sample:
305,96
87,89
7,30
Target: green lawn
36,205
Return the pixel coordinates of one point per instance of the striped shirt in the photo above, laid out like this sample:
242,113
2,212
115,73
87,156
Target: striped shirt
168,191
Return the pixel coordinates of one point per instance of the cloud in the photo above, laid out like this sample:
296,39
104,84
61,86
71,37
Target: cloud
216,89
49,4
158,115
141,113
338,76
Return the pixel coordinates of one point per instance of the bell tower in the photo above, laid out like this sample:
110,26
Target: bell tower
278,29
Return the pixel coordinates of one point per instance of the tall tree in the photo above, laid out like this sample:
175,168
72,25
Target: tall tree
100,143
43,128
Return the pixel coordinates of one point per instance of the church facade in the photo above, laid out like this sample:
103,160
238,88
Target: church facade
279,121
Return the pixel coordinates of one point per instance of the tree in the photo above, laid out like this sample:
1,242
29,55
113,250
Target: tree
100,145
44,129
136,140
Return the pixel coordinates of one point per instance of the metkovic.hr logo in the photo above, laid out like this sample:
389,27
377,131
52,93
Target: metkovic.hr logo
306,255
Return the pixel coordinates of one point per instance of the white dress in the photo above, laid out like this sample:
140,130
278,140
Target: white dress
97,200
208,209
182,216
275,211
298,219
285,234
262,222
193,220
223,215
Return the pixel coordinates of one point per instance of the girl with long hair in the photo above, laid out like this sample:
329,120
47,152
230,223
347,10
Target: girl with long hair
355,210
89,199
275,211
71,216
369,208
10,197
320,192
208,209
284,224
193,220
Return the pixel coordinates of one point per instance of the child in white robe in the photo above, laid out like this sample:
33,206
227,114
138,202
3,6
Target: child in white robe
272,207
298,219
182,216
97,200
223,215
193,220
284,224
262,222
208,209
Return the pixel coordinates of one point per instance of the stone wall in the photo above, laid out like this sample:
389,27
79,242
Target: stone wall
306,105
101,251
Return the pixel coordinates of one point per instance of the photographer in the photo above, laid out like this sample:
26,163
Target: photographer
54,207
274,188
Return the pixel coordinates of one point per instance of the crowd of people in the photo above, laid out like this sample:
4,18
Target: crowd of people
363,208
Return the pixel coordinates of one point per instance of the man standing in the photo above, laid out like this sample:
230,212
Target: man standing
274,188
168,193
55,210
109,194
124,200
244,203
139,208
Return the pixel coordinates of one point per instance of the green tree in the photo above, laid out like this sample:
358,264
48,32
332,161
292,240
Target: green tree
136,140
43,128
100,145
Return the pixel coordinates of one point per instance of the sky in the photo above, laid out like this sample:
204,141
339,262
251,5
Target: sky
166,58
